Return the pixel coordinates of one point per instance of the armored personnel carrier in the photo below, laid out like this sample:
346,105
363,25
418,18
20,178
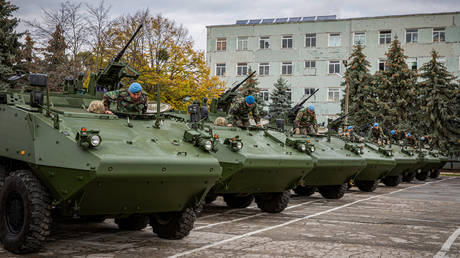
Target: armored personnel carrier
56,157
407,163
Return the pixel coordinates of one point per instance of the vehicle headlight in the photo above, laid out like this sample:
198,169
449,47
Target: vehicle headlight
95,140
237,145
302,147
207,145
312,149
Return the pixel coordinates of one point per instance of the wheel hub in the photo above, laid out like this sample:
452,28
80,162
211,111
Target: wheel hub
14,212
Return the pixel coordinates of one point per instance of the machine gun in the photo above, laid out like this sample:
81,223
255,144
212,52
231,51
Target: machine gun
294,110
333,124
225,100
109,78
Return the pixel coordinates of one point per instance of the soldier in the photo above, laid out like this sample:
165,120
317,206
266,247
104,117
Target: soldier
241,110
96,106
377,133
394,136
306,120
205,109
410,139
132,100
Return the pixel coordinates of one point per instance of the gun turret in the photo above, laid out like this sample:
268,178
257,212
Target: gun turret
109,78
225,100
333,124
294,110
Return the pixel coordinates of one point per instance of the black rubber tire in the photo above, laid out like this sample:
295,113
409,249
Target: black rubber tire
392,180
238,200
173,225
24,196
273,202
333,191
367,186
305,190
132,222
422,175
408,177
3,175
435,173
199,208
210,198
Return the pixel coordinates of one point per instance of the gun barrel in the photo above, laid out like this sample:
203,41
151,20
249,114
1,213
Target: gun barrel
243,81
300,104
120,54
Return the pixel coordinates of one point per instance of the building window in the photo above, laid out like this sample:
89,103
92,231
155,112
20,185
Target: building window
220,69
382,65
439,35
309,91
286,68
334,67
286,41
359,38
264,69
310,64
264,42
413,64
242,43
310,40
333,94
221,44
264,94
334,40
242,69
289,93
385,37
412,36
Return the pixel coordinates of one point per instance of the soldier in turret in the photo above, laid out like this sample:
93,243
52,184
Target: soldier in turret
241,110
306,121
377,134
132,100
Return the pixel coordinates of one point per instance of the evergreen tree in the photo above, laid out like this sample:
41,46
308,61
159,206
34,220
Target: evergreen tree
9,44
27,58
56,62
438,114
396,91
280,101
362,99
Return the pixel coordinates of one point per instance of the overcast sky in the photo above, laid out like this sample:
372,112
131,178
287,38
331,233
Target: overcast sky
195,15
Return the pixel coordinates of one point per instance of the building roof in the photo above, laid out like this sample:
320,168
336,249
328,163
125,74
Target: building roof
327,18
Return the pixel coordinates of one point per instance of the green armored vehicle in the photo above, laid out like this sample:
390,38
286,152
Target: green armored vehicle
407,163
57,158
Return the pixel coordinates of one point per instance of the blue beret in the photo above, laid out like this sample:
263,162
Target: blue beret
422,138
135,87
250,99
350,127
312,108
393,132
376,124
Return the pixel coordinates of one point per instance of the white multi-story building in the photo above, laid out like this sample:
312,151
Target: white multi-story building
308,51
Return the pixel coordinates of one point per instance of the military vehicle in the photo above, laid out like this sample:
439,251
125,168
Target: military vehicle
57,158
407,163
431,163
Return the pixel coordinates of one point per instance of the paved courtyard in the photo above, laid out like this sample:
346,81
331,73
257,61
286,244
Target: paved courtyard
420,219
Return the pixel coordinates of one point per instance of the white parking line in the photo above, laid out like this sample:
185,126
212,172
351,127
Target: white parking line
247,217
293,221
446,246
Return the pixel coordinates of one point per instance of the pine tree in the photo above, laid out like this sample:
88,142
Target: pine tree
56,62
362,99
280,101
9,44
438,114
396,91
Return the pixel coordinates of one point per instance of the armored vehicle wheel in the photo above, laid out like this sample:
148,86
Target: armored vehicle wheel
305,190
408,177
210,198
133,222
392,180
173,225
273,202
435,173
333,191
367,186
238,200
422,175
25,213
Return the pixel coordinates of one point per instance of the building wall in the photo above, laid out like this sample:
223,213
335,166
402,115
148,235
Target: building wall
319,77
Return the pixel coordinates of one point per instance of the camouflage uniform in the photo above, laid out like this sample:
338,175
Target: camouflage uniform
125,104
377,134
240,113
305,121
